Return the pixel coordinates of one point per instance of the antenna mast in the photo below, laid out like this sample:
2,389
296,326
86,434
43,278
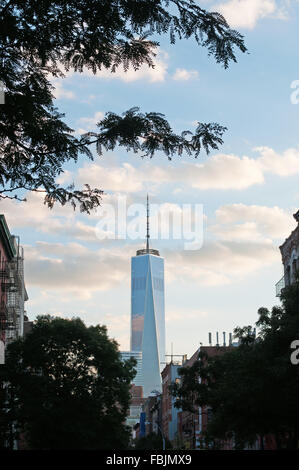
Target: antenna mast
147,225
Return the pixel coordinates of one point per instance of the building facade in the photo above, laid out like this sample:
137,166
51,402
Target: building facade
193,426
148,317
12,288
170,375
152,409
290,257
136,406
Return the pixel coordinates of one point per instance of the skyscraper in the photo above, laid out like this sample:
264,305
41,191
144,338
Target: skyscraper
137,355
148,313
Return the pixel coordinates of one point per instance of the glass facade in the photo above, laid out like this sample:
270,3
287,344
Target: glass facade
148,317
125,355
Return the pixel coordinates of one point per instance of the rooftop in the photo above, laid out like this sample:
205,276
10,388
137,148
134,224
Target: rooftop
147,251
7,237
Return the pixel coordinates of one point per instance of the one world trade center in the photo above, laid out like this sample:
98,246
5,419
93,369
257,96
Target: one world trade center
148,313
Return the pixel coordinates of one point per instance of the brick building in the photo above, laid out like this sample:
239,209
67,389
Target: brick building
290,257
153,414
170,375
192,426
136,406
12,288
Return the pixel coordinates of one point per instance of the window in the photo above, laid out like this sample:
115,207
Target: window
138,283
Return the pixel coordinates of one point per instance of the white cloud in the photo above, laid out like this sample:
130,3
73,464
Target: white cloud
152,75
60,92
120,178
224,171
84,304
60,221
156,74
72,229
220,262
89,122
219,172
92,121
73,267
285,164
80,131
65,177
184,75
243,243
246,239
246,13
181,315
240,222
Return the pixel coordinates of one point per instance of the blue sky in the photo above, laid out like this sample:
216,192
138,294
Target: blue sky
249,188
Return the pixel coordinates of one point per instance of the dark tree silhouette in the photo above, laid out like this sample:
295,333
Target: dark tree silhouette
252,389
151,442
41,38
64,386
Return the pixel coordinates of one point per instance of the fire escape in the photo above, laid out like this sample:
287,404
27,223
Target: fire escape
12,298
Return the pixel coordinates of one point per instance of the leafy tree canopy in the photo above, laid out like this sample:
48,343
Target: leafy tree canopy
41,39
151,442
66,388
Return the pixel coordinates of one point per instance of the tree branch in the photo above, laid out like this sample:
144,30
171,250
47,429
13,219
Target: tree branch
3,11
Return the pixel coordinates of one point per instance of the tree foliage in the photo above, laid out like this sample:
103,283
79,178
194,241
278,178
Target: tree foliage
42,39
66,388
252,389
151,442
150,132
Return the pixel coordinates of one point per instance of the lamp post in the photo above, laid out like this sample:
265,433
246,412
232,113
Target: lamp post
158,397
162,434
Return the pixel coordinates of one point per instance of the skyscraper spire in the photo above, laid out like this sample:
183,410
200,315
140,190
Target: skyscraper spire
147,225
147,250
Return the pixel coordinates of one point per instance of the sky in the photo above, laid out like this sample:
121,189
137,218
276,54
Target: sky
248,189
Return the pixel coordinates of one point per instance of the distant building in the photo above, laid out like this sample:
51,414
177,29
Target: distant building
125,355
28,325
192,426
290,258
148,313
188,423
152,409
17,294
12,287
136,391
136,407
170,375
